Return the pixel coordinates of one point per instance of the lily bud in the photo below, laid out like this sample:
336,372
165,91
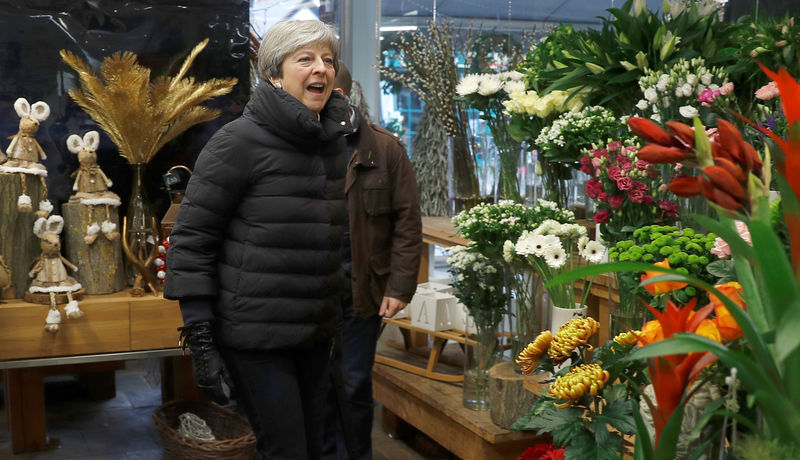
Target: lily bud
658,154
594,68
641,60
682,131
650,131
685,186
627,65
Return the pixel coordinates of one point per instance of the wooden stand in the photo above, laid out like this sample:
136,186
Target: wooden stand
509,399
18,245
100,266
436,409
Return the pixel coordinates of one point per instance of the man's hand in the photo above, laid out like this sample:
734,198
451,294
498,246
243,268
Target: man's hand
390,306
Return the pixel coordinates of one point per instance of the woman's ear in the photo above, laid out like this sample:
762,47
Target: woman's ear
276,83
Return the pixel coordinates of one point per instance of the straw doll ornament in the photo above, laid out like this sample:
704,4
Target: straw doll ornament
24,153
91,186
49,273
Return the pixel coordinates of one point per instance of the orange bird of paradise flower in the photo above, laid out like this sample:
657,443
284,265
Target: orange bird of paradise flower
671,375
664,286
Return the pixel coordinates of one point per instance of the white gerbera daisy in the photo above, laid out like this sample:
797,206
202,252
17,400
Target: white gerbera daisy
555,257
582,243
508,251
593,252
530,245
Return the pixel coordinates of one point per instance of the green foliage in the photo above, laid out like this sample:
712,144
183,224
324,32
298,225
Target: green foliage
754,447
687,251
477,283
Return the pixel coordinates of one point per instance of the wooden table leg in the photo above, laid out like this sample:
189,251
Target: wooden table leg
24,399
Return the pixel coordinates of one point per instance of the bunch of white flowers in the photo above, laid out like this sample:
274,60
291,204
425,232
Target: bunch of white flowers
578,130
489,84
529,103
683,89
551,249
478,284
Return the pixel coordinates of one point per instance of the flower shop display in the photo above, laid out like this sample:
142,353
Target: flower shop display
485,92
687,89
141,116
477,283
686,251
768,365
553,248
595,392
627,192
489,227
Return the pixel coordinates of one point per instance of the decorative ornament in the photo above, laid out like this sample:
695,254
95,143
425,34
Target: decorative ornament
91,186
24,153
49,274
161,260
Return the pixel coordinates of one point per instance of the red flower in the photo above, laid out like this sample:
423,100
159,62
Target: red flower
555,454
536,452
613,173
616,201
624,163
624,183
637,195
602,216
593,187
642,165
670,208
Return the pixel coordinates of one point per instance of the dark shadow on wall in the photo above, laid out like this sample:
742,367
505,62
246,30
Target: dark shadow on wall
159,32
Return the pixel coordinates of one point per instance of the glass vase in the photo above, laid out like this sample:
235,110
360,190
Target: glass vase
139,234
626,312
481,352
526,316
557,182
462,181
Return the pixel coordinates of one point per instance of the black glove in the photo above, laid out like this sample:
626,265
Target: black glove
209,369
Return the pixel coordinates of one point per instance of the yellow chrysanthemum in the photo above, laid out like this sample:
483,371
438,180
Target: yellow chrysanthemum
529,357
571,386
571,335
627,338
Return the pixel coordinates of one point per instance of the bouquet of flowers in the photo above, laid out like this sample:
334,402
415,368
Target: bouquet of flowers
688,89
486,92
488,226
548,250
572,132
628,193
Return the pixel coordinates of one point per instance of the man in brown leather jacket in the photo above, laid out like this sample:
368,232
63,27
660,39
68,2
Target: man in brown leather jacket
383,262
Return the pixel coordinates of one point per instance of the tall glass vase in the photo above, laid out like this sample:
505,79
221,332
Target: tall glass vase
480,354
557,182
527,319
139,218
626,312
462,181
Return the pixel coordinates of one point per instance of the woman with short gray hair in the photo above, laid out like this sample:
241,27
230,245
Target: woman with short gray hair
254,255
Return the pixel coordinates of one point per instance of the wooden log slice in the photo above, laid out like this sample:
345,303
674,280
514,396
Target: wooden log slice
44,297
100,266
18,245
509,399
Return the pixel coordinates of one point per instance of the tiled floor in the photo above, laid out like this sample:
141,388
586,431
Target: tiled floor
122,429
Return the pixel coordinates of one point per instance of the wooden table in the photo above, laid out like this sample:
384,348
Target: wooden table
114,327
436,409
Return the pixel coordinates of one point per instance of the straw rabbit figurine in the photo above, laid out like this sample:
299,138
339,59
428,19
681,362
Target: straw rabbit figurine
50,274
91,186
24,153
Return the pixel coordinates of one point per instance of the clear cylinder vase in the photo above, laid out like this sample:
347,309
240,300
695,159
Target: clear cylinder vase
462,181
527,319
626,311
480,353
139,233
557,182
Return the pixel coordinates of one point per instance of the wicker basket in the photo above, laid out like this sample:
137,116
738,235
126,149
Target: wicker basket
235,439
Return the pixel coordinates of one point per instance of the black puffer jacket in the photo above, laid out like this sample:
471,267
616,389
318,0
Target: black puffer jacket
256,244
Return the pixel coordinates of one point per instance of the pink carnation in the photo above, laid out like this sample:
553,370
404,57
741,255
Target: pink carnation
616,201
670,209
722,249
614,146
726,89
614,173
602,217
593,187
637,195
625,163
768,91
624,183
706,96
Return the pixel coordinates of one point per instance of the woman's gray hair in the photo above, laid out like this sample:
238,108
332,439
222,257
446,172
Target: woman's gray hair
284,38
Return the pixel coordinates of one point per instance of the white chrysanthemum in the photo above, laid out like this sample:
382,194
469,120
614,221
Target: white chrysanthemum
687,111
513,75
508,251
514,86
582,243
547,227
555,257
489,84
468,85
593,252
